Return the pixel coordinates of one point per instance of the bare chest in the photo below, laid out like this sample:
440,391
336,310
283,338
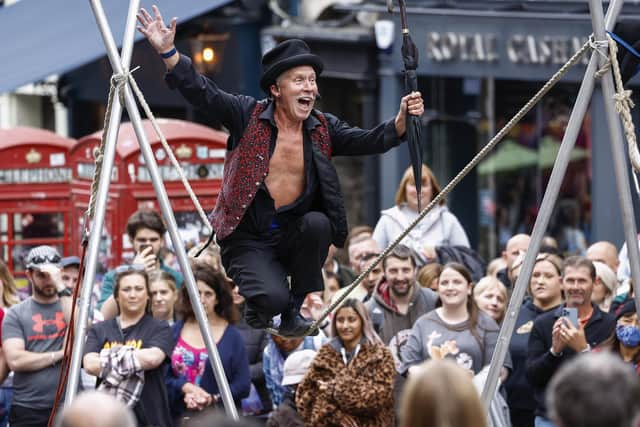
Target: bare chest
286,178
288,155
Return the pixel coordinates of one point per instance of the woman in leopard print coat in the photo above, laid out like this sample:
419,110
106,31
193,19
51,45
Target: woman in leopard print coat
350,382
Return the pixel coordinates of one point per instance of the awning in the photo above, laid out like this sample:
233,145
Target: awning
44,37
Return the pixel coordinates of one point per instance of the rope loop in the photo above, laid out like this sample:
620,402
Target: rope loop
600,47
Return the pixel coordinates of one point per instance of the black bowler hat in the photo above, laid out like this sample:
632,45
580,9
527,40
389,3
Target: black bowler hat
288,54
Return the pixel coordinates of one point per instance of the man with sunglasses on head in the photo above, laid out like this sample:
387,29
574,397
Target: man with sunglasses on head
33,337
146,231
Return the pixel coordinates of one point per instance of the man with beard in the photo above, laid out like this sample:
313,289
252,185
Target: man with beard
32,338
280,204
555,339
399,300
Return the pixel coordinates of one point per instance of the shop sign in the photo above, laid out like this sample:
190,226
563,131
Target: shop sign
518,48
35,176
191,171
88,170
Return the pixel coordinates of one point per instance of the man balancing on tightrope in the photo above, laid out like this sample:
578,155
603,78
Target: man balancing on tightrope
280,205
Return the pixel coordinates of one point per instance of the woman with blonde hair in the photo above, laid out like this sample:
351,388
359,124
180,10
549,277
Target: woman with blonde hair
491,297
544,294
350,381
438,228
441,393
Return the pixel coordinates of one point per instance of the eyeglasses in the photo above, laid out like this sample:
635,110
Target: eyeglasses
129,268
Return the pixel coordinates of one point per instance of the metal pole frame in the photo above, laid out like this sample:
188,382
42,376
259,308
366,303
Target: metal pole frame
167,212
88,279
551,195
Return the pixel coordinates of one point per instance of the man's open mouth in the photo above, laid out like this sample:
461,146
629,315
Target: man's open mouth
306,101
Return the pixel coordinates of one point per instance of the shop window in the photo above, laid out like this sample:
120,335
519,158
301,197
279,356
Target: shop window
38,225
502,196
513,179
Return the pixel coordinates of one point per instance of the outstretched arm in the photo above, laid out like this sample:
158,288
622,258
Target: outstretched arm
159,35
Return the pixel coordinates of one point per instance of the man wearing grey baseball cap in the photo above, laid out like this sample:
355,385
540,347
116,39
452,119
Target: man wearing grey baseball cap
33,336
280,204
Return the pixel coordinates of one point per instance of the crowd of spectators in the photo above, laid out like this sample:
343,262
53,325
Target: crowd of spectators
404,348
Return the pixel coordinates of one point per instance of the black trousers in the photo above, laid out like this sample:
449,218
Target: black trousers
259,265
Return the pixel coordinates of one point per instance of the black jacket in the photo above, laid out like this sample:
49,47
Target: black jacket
541,364
234,112
519,390
465,256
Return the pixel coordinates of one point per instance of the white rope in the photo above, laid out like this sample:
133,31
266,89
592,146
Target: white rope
449,187
601,48
624,104
118,84
172,158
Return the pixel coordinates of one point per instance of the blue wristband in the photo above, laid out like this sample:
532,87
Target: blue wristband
169,54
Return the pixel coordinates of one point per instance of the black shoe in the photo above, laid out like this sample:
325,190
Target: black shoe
293,325
256,320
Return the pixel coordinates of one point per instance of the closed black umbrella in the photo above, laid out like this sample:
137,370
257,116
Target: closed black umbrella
410,59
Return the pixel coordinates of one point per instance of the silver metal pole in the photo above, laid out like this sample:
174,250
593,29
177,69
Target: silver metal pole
172,227
620,164
544,215
88,280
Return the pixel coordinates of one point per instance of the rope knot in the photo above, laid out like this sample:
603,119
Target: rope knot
119,80
623,101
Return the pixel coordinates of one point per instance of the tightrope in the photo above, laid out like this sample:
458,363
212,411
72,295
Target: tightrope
447,189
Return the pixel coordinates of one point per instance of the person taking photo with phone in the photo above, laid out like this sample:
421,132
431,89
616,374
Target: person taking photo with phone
576,326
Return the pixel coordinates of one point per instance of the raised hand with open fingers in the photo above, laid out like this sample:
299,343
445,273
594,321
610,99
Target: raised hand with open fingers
154,29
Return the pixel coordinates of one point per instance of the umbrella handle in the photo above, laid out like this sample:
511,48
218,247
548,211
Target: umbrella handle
403,14
410,81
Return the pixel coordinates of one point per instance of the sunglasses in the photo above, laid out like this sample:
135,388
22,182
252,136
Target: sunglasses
40,259
129,268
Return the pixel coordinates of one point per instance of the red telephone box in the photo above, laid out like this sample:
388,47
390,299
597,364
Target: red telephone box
35,182
200,152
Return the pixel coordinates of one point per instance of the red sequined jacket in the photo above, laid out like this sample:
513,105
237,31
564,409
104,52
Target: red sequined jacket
245,167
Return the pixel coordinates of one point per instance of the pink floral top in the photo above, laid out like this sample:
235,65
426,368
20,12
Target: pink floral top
188,361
